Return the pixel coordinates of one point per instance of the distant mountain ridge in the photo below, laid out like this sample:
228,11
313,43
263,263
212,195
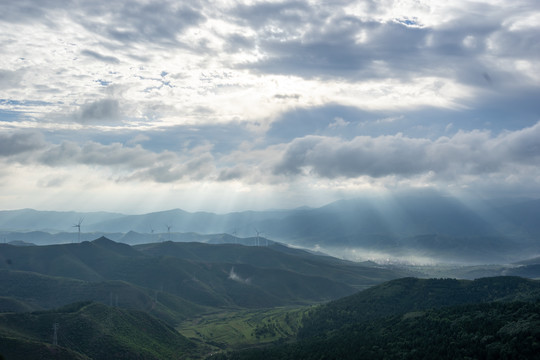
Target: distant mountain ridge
424,224
50,221
406,215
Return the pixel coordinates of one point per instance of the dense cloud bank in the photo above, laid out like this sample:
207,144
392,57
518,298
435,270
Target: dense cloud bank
466,153
473,153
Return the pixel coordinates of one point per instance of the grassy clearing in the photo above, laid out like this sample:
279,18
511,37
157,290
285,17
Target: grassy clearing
244,328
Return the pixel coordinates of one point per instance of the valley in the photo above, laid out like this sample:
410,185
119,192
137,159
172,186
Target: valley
200,295
237,329
190,300
269,180
216,296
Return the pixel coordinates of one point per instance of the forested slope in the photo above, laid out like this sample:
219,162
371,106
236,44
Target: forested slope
421,319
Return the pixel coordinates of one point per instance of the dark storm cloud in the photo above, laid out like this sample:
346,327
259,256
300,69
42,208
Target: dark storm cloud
20,142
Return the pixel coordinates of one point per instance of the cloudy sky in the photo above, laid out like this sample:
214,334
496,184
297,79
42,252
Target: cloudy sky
136,106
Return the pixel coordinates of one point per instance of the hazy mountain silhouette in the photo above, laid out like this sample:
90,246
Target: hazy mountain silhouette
425,224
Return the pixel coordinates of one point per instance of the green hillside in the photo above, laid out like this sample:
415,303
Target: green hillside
231,289
14,348
220,284
10,304
92,330
412,294
494,330
26,291
83,261
209,275
276,256
244,328
420,319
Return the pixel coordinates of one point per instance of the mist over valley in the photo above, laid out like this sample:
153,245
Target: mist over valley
269,179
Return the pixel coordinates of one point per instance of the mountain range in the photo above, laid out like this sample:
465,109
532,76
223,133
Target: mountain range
103,299
178,275
410,227
106,299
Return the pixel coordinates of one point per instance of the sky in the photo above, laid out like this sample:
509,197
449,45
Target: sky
215,105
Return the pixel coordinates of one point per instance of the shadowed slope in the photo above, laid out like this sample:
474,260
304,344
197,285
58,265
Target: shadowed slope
95,330
201,280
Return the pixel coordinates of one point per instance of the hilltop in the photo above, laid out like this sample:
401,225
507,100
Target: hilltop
187,273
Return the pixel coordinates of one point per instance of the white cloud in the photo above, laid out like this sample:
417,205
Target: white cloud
473,153
90,83
69,54
465,154
338,122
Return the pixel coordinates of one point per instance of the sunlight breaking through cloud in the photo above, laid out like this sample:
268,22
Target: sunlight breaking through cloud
273,94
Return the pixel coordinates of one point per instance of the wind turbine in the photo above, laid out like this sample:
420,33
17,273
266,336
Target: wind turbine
169,231
258,233
235,238
78,226
265,239
151,233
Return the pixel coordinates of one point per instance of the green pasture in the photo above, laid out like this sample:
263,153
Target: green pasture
244,328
